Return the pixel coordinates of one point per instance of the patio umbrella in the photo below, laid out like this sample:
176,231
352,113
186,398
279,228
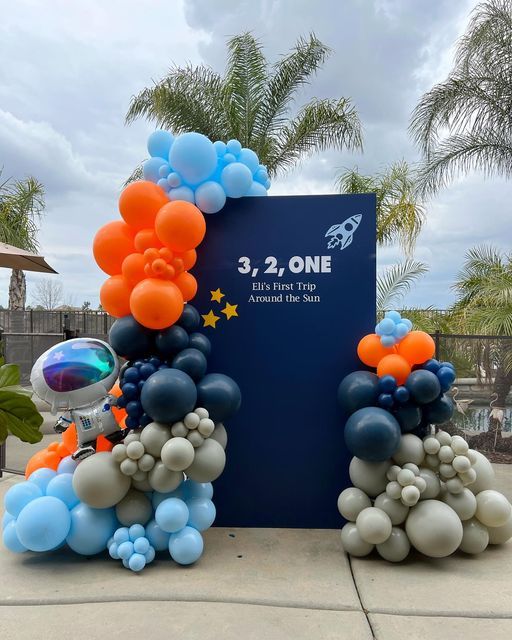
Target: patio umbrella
14,258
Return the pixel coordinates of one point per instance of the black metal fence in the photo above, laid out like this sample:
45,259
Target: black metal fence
87,323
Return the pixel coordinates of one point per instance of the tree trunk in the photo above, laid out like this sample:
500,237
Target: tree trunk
501,389
17,290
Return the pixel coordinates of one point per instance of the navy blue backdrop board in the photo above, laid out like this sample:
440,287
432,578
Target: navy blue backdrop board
293,339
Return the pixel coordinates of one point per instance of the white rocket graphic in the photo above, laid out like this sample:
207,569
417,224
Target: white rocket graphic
341,234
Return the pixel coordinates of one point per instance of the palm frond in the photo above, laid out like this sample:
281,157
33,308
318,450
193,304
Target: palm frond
396,281
21,207
136,174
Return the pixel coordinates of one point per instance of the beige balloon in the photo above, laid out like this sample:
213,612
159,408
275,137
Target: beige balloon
98,481
209,462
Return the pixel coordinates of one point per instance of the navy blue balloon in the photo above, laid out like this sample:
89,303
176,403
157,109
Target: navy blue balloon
402,395
446,376
431,365
129,339
372,434
408,416
387,384
190,318
219,395
145,420
140,384
447,364
172,340
121,402
146,370
131,423
191,361
201,342
130,391
439,411
156,362
357,390
423,386
385,400
134,409
168,395
131,374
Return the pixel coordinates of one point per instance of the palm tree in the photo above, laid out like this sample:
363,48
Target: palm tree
464,122
252,103
21,206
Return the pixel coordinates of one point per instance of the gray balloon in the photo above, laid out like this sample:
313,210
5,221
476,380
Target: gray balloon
154,436
98,481
134,508
163,479
220,434
142,485
209,462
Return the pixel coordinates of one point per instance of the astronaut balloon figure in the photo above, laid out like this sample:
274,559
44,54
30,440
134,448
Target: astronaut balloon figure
75,377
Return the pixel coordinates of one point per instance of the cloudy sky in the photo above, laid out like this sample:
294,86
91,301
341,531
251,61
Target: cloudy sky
69,69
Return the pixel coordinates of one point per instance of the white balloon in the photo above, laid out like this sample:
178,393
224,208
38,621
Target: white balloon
446,454
164,480
420,483
202,412
119,452
392,472
459,445
492,508
475,537
485,478
396,548
154,436
432,461
146,463
351,502
468,477
394,490
405,477
471,454
444,438
209,462
135,450
446,470
195,438
409,450
461,464
433,484
374,525
499,535
370,477
179,430
353,543
220,434
177,454
396,511
412,467
431,445
133,436
463,503
454,485
434,528
191,421
206,427
129,467
410,495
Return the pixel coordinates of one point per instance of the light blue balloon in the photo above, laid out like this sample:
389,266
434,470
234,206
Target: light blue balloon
43,524
386,327
220,147
181,193
201,513
41,477
234,147
193,489
261,176
159,143
121,535
61,487
401,330
267,184
137,562
163,184
164,170
186,546
125,564
236,179
229,158
193,156
151,167
112,550
125,550
11,540
136,531
158,497
393,315
90,529
67,465
257,189
387,341
158,538
6,518
141,545
210,197
250,159
171,515
20,495
150,555
173,179
407,322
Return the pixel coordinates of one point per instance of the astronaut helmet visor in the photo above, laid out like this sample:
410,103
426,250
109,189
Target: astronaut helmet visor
77,364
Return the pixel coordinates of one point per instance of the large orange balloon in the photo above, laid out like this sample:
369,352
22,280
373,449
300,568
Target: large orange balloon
145,239
139,203
371,351
187,284
417,347
133,268
180,225
44,458
396,366
115,296
155,303
111,244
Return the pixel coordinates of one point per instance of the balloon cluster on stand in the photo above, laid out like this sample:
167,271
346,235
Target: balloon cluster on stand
414,485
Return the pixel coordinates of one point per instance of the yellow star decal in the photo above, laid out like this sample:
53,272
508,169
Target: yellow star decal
217,295
210,319
230,310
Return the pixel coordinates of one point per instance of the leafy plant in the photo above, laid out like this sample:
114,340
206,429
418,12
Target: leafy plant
18,414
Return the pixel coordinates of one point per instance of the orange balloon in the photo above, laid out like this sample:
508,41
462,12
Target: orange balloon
371,351
180,225
187,284
69,439
140,202
155,303
133,268
62,450
189,259
103,444
42,459
145,239
396,366
417,347
111,244
115,296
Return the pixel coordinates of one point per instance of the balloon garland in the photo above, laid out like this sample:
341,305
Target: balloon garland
414,485
133,471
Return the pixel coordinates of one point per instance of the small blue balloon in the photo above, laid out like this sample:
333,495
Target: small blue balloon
446,375
201,513
387,384
41,477
163,184
113,550
134,409
201,342
150,555
91,529
11,540
423,386
401,395
182,193
220,147
171,515
125,550
228,158
61,487
387,341
67,465
6,518
234,147
236,179
192,489
137,562
386,327
43,524
250,159
431,365
22,494
186,546
256,189
151,168
407,322
163,172
174,180
385,400
136,531
121,535
408,416
172,340
132,423
190,319
146,370
447,364
158,538
261,175
372,434
210,197
191,361
159,143
401,330
130,391
141,545
158,497
193,156
394,315
439,411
